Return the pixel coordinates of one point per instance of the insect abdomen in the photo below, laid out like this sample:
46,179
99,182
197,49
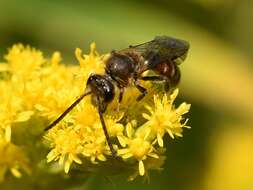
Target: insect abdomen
170,71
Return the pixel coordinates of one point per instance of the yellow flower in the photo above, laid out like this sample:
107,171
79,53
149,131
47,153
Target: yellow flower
115,129
66,146
81,136
138,148
11,112
12,158
165,118
24,61
96,147
92,63
86,114
35,90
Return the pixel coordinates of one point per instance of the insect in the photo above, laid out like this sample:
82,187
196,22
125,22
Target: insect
124,68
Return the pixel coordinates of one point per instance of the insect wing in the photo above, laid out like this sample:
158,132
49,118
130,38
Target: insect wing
140,48
170,48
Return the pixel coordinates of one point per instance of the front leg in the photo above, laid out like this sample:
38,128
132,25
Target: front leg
107,137
142,90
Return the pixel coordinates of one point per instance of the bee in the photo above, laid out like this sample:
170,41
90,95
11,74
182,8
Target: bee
125,68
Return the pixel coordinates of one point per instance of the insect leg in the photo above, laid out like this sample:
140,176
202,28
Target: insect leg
121,94
67,111
142,90
100,112
153,78
167,85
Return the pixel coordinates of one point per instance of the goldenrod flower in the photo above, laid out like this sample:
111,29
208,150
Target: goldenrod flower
138,148
24,62
66,146
92,63
13,159
165,118
36,90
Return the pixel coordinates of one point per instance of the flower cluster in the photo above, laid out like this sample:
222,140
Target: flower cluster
36,90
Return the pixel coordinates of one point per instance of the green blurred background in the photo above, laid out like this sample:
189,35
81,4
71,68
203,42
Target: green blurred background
216,77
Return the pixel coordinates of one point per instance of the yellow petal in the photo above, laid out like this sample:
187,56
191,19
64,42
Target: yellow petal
93,160
76,159
123,151
56,58
101,157
39,107
148,131
51,156
183,108
78,53
129,130
170,133
141,168
179,134
127,155
67,165
121,141
174,94
16,173
153,155
160,139
146,116
8,133
24,116
61,160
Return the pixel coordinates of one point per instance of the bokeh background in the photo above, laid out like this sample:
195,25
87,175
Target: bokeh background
217,76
